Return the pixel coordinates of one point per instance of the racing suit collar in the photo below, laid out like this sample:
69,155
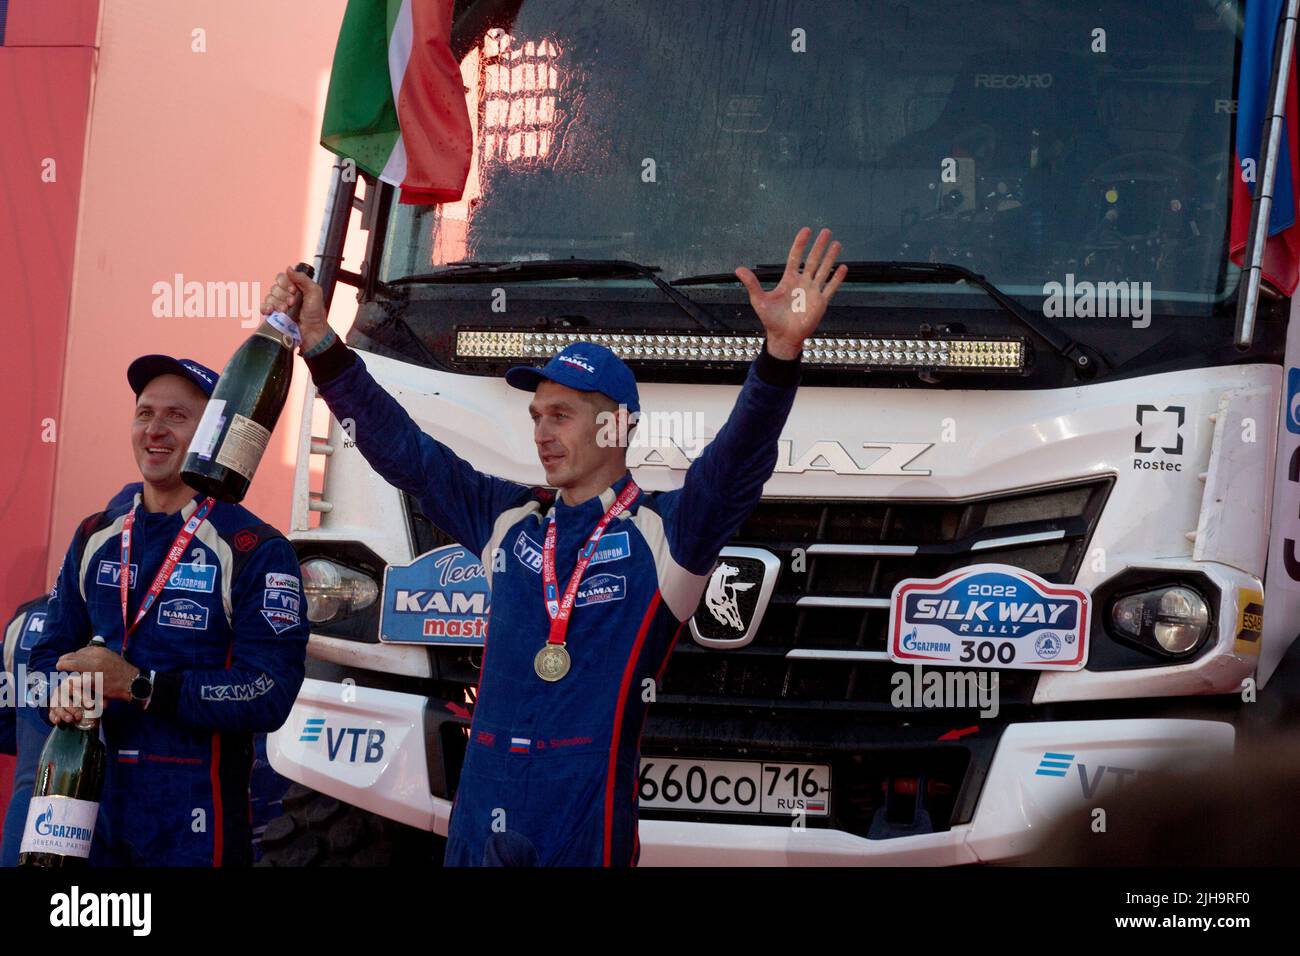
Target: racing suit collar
605,498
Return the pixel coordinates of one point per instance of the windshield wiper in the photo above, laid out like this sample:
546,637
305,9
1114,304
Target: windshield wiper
1085,361
539,270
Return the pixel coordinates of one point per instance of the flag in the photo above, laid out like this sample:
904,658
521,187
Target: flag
396,103
1281,264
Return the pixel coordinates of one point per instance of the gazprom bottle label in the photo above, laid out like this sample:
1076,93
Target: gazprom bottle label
209,430
61,825
285,325
243,447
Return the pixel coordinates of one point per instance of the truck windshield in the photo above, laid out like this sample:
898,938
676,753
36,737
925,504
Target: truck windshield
1031,141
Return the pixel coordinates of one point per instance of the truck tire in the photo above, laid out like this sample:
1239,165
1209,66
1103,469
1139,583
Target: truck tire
318,830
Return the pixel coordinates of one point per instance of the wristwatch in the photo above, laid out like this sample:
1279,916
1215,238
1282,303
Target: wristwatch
142,688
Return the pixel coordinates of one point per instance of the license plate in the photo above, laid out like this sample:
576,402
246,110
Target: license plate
735,786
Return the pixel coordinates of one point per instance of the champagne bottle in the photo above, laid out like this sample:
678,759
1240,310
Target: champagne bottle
244,407
65,800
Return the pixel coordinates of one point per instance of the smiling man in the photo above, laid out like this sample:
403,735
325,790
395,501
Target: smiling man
200,606
590,586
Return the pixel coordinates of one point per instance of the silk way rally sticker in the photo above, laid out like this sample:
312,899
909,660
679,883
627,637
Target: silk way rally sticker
989,615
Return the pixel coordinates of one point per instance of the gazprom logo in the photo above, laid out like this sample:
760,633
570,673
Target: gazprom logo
1293,400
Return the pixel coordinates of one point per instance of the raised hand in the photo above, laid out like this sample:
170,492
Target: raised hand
792,311
290,287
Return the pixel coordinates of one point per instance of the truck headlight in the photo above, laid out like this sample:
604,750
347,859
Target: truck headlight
1174,619
334,590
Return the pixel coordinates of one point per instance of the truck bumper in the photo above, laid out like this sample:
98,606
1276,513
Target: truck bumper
370,748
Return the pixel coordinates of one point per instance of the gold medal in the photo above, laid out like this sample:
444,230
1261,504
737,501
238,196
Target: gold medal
552,662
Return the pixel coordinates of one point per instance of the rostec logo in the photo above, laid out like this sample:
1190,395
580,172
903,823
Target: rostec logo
1161,429
1012,81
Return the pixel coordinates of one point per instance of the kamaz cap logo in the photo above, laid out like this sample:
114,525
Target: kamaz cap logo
577,363
735,598
198,371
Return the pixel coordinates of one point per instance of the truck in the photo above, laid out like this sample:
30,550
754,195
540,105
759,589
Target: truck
1040,474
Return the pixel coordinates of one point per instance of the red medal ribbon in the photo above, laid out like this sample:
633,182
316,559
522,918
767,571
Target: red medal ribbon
558,608
183,538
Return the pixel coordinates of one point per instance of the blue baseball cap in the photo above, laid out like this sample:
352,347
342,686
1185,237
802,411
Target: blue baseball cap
584,366
148,367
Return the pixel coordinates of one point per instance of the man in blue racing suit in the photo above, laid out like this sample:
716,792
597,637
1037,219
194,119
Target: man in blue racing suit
205,648
590,585
23,730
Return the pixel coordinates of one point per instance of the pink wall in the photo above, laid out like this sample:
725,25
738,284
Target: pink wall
184,135
202,161
46,63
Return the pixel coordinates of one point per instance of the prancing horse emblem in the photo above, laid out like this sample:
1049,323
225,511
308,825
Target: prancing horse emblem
735,598
720,598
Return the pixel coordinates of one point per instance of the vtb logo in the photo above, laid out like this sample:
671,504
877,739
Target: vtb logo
372,751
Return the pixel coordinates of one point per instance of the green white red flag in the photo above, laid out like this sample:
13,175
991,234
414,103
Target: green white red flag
396,103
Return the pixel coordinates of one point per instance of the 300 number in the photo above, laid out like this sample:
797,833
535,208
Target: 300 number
986,652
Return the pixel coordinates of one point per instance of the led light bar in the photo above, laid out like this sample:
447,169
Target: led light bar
967,354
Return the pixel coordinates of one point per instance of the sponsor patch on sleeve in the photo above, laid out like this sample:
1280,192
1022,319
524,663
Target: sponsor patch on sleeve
274,599
32,630
281,621
288,582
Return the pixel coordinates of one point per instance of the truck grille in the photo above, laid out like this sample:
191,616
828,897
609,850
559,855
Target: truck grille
822,640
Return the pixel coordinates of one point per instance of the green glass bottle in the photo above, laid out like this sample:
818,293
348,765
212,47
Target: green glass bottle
65,800
241,414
